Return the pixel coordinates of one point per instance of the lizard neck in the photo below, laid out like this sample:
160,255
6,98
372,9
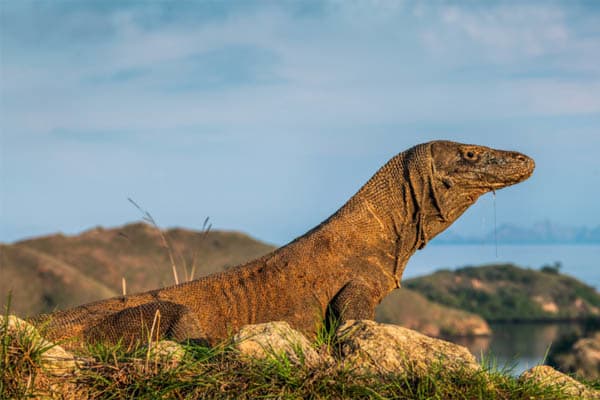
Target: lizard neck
395,213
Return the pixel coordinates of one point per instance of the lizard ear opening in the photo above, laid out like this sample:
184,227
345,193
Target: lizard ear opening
447,182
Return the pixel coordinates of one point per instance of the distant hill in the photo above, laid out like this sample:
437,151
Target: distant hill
414,311
544,232
58,271
40,282
508,293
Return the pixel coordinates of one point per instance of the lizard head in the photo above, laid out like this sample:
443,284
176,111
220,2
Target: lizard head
463,172
478,169
432,184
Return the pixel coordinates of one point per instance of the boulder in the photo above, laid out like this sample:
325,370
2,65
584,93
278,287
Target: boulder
276,339
548,376
166,352
372,347
160,355
54,359
583,358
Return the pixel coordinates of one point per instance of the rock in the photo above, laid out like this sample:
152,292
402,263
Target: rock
548,376
587,356
162,355
583,358
380,348
273,339
167,352
54,359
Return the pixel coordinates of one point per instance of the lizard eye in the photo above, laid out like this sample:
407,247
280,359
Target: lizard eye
470,155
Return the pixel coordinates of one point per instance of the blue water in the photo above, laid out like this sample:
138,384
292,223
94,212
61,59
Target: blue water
580,261
515,346
518,347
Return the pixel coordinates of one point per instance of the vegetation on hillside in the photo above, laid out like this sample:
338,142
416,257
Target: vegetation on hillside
415,311
506,292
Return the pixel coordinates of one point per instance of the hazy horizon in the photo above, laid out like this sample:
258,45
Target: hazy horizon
267,116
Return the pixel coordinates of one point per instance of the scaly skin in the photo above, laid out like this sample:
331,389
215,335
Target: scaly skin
346,265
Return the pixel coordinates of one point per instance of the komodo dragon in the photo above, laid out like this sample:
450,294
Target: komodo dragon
347,264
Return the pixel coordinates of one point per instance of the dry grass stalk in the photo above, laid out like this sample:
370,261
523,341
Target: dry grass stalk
206,227
148,218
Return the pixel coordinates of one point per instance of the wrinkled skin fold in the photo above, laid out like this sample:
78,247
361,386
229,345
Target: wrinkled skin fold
346,265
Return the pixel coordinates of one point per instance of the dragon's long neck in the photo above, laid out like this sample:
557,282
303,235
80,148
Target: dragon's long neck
390,214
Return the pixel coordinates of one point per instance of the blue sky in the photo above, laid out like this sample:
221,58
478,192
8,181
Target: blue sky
267,115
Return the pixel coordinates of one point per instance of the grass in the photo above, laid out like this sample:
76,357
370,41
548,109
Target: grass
221,375
326,332
113,372
20,359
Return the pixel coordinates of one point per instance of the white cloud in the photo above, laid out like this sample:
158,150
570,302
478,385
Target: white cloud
510,32
327,71
551,97
347,83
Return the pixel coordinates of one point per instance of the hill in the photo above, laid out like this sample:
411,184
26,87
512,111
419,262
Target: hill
58,271
508,293
39,282
414,311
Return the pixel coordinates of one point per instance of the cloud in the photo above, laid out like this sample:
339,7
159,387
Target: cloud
552,97
271,73
319,64
510,32
313,95
551,37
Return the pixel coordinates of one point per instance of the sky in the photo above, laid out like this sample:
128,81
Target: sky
266,116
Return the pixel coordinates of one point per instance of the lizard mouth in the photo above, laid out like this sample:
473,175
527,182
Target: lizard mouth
519,168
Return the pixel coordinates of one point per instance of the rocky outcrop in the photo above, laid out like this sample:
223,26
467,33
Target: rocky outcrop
44,370
582,358
365,346
54,359
369,349
275,339
372,347
544,375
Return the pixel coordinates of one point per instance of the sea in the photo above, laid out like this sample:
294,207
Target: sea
514,347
